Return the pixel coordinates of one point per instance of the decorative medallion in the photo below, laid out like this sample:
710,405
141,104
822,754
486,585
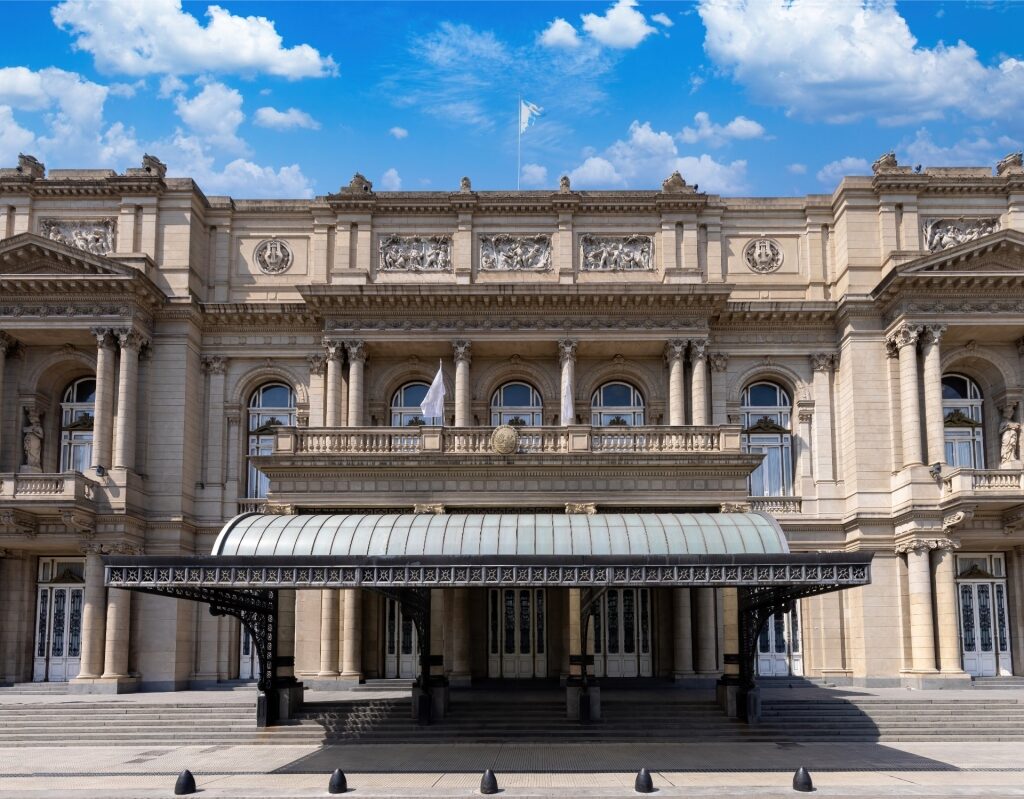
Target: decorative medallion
763,255
415,254
92,235
941,234
505,253
505,439
616,253
273,257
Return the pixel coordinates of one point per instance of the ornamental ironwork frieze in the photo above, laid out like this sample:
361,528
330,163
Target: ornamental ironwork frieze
633,253
96,236
506,253
415,253
941,234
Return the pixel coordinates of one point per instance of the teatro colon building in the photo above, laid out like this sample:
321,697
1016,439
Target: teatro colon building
658,405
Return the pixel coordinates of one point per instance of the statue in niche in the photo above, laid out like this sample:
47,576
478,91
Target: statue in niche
33,442
1009,443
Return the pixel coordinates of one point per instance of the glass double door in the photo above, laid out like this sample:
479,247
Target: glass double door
517,633
58,645
984,631
248,660
621,630
778,646
400,644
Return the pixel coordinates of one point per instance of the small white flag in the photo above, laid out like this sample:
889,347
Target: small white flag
433,403
527,111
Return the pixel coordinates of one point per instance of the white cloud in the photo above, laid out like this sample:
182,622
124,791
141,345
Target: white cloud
797,169
716,135
268,117
696,81
452,45
158,37
398,133
662,19
127,89
834,171
534,175
215,114
171,84
968,151
560,34
14,139
648,156
621,27
841,61
391,180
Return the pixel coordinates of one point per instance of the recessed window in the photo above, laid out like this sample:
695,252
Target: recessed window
962,407
517,404
271,405
766,414
617,404
405,406
78,409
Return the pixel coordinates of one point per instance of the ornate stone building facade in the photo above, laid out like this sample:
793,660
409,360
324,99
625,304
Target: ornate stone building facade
851,364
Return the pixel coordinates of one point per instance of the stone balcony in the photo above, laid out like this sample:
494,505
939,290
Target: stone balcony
992,488
28,500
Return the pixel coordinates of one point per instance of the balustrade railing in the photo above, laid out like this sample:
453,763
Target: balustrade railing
69,486
776,505
983,481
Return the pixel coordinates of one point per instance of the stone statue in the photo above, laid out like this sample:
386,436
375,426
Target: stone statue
563,184
1009,443
33,442
885,162
674,183
1012,164
31,166
465,185
154,165
358,185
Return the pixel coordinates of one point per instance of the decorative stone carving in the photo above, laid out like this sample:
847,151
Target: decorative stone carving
428,507
33,441
279,509
130,339
719,361
763,255
735,507
415,254
80,523
31,167
1012,164
465,186
698,349
563,185
632,253
588,508
356,349
505,253
1009,442
674,183
823,362
904,336
505,439
805,416
463,351
358,185
317,364
885,163
18,522
273,256
941,234
675,349
154,166
958,518
567,349
92,235
926,544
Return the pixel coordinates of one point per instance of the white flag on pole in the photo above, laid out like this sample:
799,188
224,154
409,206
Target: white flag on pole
527,111
433,403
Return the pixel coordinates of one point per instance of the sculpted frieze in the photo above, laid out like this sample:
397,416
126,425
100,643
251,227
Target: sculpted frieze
485,324
65,310
941,234
506,253
415,254
616,253
92,235
763,255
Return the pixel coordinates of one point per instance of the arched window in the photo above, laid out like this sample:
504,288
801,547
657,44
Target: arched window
961,408
271,405
766,410
405,406
617,404
77,411
517,404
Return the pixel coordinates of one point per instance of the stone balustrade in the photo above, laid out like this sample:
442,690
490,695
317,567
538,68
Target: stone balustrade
776,506
983,482
70,487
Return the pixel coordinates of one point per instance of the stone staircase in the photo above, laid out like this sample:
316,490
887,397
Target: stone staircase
995,683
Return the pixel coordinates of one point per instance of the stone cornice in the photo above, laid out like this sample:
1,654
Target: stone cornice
113,185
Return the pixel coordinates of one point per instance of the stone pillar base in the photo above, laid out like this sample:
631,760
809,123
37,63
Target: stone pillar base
103,685
574,696
727,696
931,679
352,676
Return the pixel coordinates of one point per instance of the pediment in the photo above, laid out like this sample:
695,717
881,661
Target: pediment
1001,252
28,255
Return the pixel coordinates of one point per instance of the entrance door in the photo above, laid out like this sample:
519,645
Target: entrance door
778,646
621,633
983,629
517,633
400,643
58,620
248,661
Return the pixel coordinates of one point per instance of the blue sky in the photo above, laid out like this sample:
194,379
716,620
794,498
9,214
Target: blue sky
744,97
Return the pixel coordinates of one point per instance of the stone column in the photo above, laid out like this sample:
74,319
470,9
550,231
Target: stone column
707,631
730,629
919,584
317,389
94,615
946,605
6,345
682,633
127,398
719,362
463,357
332,400
356,364
119,619
699,380
352,662
934,421
675,351
330,600
567,357
905,340
103,427
460,649
823,364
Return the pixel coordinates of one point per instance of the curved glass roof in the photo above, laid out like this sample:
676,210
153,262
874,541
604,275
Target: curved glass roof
498,535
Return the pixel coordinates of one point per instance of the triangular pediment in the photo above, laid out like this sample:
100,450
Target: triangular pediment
29,255
997,253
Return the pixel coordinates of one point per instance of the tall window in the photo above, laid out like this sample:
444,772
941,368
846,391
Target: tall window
271,405
961,408
617,404
517,404
77,410
405,406
766,412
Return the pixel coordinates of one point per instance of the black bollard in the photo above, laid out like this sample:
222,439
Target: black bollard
488,783
644,783
185,784
338,783
802,781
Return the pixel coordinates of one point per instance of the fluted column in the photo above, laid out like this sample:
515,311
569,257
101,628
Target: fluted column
707,631
682,633
946,605
699,380
118,625
127,398
934,420
675,351
94,614
103,423
356,364
330,601
463,357
919,587
567,357
904,339
332,399
352,646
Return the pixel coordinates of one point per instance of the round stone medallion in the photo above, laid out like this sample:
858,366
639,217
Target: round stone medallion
273,256
763,255
505,439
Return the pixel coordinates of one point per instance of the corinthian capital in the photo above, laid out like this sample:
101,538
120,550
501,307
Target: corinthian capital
130,339
823,362
104,337
567,349
719,361
675,349
698,349
335,349
463,351
933,333
905,335
214,364
356,349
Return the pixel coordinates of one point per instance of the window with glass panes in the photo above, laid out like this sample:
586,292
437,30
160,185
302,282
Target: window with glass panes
78,408
272,405
405,406
517,404
617,404
962,406
766,414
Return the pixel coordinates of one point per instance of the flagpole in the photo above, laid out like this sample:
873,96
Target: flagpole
519,143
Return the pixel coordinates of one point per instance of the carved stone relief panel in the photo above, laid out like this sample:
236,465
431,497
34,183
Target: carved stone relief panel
941,234
92,235
634,253
506,253
763,255
415,254
273,256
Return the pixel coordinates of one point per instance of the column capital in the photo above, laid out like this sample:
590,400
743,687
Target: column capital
335,350
719,361
214,364
567,349
104,337
906,335
317,364
7,343
93,548
943,544
933,333
463,350
675,349
130,339
356,349
698,349
823,362
1020,346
